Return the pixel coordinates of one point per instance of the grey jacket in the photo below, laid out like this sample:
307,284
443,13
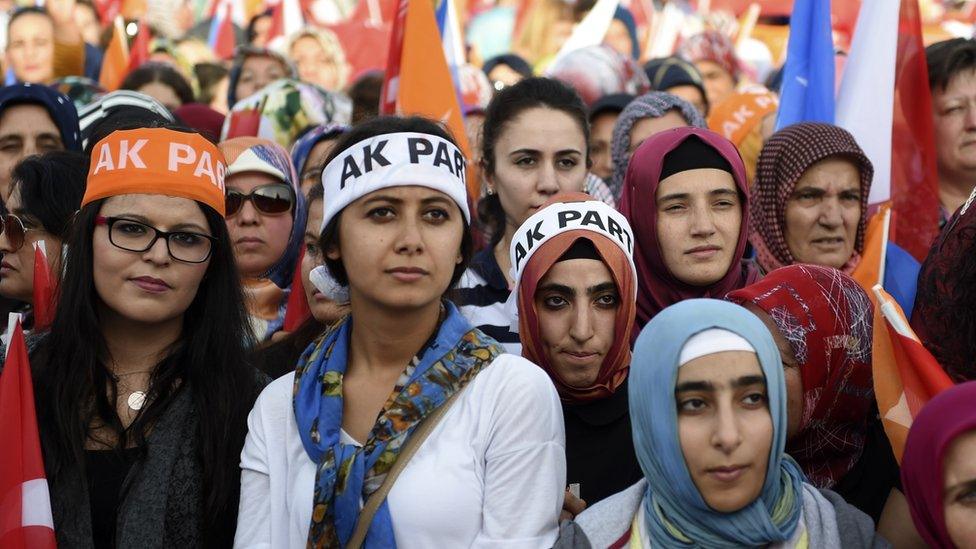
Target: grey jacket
606,522
163,492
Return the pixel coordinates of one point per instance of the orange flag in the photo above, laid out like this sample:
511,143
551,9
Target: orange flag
418,80
906,375
116,62
870,270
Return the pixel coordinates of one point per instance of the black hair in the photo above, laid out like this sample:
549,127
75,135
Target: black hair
365,95
130,117
208,75
507,105
251,32
277,358
371,128
510,60
774,81
27,10
210,359
51,188
163,73
948,58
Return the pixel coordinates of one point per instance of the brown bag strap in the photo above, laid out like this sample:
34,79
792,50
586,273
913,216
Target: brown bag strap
409,449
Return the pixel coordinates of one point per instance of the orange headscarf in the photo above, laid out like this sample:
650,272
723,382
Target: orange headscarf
616,363
739,119
157,161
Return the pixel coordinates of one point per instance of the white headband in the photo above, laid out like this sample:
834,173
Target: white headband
711,341
394,160
592,215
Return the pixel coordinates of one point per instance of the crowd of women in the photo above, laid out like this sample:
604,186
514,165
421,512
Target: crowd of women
645,333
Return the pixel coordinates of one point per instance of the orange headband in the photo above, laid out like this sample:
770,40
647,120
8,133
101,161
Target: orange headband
157,161
738,115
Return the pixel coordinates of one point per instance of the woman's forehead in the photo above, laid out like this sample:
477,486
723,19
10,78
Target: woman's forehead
155,208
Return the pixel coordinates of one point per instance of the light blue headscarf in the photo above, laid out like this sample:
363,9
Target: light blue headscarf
675,513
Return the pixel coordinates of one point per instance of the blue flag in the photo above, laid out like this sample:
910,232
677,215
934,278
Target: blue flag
807,94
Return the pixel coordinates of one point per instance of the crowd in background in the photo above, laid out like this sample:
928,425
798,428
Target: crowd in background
280,318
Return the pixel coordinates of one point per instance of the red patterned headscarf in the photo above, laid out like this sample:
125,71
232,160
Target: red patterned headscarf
827,319
657,287
713,46
616,363
945,307
784,159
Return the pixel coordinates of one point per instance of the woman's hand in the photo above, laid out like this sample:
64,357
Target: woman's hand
572,506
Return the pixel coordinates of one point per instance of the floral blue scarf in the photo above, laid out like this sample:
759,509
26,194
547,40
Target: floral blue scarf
347,474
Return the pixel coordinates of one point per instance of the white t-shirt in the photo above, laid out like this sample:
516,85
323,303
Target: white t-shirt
491,474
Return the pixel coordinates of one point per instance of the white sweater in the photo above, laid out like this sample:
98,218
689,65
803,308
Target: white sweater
491,474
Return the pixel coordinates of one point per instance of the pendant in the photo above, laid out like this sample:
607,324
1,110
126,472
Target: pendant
136,400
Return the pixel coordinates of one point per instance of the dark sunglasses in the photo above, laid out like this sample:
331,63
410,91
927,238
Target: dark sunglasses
14,229
271,199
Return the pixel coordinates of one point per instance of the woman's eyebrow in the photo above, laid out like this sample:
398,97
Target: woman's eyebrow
560,288
746,381
703,386
963,485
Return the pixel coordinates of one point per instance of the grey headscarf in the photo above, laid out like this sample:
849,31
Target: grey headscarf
650,105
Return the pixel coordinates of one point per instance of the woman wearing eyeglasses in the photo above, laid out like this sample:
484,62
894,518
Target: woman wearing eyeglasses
45,192
266,220
142,386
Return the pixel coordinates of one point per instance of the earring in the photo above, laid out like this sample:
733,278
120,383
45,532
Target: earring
490,191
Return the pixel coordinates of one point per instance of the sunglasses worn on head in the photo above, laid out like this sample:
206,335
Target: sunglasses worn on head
272,199
14,229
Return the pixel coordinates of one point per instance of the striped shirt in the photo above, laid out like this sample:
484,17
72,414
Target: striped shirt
481,294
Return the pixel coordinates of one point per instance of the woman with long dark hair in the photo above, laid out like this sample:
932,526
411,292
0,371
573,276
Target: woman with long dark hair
141,385
535,144
340,430
46,192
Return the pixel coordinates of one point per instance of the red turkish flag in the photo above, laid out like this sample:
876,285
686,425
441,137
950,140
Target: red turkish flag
25,503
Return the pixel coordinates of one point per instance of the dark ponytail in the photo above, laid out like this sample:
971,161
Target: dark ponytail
505,107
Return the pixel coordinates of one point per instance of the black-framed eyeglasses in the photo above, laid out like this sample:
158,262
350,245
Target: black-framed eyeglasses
15,230
135,236
271,199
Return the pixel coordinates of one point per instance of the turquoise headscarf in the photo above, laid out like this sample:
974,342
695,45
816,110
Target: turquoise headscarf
675,513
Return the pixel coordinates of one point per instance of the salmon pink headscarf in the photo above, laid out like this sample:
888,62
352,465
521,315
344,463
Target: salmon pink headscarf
616,363
657,287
